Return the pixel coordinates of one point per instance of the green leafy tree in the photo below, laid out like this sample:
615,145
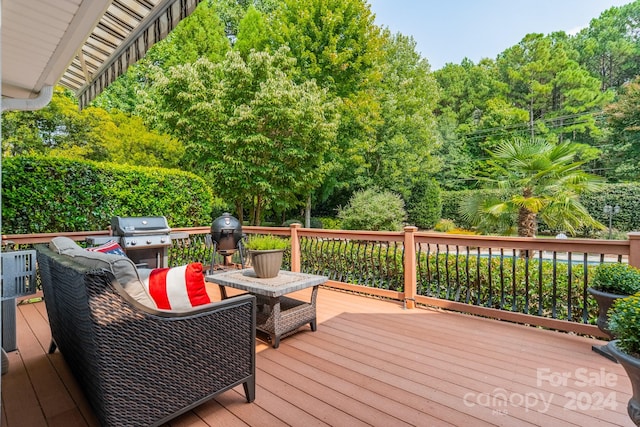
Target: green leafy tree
258,135
60,129
335,41
545,79
622,155
609,48
337,44
466,90
456,163
126,140
474,113
406,134
541,180
231,12
60,124
253,33
200,35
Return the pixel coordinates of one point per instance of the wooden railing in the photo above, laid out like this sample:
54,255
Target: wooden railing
536,281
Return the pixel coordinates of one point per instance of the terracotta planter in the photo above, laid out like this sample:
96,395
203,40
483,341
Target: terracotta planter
266,263
604,300
632,366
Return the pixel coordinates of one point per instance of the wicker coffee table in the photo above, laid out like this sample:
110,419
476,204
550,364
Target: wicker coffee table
278,315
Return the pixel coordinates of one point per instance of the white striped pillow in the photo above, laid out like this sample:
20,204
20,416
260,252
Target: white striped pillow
177,288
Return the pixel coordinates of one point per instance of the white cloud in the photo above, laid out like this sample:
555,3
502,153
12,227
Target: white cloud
576,30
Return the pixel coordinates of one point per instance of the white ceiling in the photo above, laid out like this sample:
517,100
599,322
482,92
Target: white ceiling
81,44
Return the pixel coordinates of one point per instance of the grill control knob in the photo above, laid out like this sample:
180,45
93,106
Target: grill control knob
148,242
133,243
163,240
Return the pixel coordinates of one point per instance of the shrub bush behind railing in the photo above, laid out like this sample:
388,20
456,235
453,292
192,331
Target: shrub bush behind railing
470,279
541,287
195,248
369,263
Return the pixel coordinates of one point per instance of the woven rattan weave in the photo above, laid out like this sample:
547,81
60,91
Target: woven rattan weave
278,316
139,366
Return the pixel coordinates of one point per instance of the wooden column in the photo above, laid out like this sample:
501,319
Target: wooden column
634,249
295,248
410,273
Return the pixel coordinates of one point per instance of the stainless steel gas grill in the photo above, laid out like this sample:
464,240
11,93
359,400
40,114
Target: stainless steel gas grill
145,239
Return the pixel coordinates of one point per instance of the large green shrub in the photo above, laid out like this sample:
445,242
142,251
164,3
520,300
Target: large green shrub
51,194
373,209
424,205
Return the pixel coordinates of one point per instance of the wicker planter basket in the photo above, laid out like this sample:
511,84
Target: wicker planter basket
266,263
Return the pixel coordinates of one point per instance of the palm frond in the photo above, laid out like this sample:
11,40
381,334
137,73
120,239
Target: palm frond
549,179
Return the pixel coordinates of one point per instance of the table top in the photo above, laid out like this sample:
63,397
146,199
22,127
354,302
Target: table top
285,282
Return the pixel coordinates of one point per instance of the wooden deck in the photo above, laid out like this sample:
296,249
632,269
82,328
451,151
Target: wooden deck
369,363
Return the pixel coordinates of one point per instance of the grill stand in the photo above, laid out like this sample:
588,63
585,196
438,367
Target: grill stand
226,255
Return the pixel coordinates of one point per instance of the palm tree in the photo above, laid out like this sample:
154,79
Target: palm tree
538,179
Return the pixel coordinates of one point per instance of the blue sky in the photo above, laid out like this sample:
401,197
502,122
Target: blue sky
450,30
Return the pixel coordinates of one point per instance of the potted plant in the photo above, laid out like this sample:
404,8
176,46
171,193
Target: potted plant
266,253
624,323
611,281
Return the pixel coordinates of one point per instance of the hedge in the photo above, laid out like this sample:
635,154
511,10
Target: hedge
627,196
53,194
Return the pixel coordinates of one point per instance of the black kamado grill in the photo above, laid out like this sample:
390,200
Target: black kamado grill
145,239
226,234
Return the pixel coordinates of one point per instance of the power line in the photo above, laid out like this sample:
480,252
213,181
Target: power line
501,130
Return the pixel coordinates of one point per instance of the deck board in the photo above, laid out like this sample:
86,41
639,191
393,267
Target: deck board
369,363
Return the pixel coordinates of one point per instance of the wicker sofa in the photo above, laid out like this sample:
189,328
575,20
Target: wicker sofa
137,365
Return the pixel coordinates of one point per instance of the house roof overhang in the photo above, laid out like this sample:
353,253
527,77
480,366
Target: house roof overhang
83,45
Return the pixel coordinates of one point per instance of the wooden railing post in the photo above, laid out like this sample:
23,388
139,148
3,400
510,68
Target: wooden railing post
295,248
634,249
410,273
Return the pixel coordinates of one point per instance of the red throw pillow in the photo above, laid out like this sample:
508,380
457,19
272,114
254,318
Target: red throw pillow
111,247
178,288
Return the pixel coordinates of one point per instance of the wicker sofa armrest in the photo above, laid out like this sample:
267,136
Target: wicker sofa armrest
137,365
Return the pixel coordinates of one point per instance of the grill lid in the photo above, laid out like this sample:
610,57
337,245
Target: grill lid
226,231
135,226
